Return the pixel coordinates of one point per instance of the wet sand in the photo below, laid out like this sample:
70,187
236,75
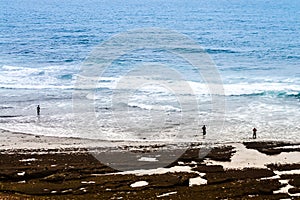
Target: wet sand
249,170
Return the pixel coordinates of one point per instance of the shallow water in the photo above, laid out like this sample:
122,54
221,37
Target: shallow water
255,47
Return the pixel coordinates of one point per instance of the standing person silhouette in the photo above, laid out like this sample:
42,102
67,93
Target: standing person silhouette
38,109
204,130
254,133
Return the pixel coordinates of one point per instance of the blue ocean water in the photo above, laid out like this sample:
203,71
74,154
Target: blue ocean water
254,45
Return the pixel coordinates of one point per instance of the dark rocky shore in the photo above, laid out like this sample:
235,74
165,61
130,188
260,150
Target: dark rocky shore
76,174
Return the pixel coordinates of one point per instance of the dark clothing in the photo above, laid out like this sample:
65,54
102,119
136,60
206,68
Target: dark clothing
254,133
38,109
204,130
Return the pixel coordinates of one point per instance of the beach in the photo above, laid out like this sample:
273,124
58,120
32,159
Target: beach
107,99
39,167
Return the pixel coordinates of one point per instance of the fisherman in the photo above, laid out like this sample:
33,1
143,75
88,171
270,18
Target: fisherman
204,130
254,133
38,109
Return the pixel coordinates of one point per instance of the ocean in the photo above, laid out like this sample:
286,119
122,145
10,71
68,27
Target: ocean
253,48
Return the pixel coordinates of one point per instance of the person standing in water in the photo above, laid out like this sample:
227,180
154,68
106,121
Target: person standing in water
204,129
254,133
38,109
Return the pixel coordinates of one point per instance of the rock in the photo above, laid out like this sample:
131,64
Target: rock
54,178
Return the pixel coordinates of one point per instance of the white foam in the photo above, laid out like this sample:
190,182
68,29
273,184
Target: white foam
147,159
166,194
158,171
289,147
294,171
139,184
274,118
21,173
28,160
285,189
245,88
88,182
22,181
154,107
36,78
197,181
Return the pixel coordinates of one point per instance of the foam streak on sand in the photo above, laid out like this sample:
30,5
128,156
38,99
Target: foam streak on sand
28,160
166,194
286,188
147,159
139,184
159,171
197,181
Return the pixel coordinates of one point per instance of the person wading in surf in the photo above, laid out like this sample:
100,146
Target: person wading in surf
204,129
254,133
38,109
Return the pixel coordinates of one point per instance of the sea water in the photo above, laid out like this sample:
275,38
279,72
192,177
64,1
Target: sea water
254,46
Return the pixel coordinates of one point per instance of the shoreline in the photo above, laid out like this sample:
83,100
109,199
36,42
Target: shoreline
42,167
19,140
